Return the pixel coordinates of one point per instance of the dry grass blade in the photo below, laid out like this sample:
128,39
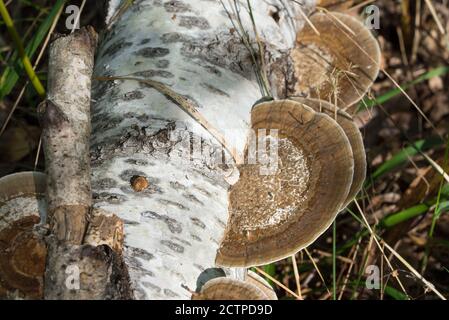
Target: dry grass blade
77,19
435,16
413,270
317,270
380,247
277,282
305,17
297,279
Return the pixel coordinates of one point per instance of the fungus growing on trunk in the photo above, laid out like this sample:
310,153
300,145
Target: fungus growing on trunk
335,5
338,65
354,136
274,216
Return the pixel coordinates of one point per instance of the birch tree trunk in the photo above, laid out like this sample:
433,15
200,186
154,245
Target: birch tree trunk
174,227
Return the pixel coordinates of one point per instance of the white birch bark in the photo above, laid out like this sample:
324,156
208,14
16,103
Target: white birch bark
173,228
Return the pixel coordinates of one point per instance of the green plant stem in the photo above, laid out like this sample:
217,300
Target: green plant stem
20,49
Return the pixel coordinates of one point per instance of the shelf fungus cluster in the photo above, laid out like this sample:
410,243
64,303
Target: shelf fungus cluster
321,158
336,60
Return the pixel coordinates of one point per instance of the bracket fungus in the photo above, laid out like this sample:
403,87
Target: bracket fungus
335,5
224,288
274,216
340,63
22,250
354,136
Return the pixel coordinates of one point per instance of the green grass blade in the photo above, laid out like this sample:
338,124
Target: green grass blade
21,50
369,103
11,74
404,215
403,156
395,294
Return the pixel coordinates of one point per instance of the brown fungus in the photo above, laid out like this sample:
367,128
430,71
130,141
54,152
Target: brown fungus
335,5
339,64
223,288
22,251
272,216
354,136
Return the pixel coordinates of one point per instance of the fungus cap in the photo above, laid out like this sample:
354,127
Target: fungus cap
338,65
354,136
22,251
224,288
335,5
274,216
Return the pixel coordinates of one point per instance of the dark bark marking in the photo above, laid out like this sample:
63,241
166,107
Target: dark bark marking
117,46
214,90
151,286
154,73
173,203
196,238
183,241
170,293
176,6
198,223
192,198
163,64
173,37
203,191
173,246
113,198
105,183
138,162
139,252
177,186
145,41
153,52
173,225
133,95
191,22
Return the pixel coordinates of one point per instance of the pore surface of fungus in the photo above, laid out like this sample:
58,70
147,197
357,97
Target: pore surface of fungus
276,214
354,136
22,251
340,63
